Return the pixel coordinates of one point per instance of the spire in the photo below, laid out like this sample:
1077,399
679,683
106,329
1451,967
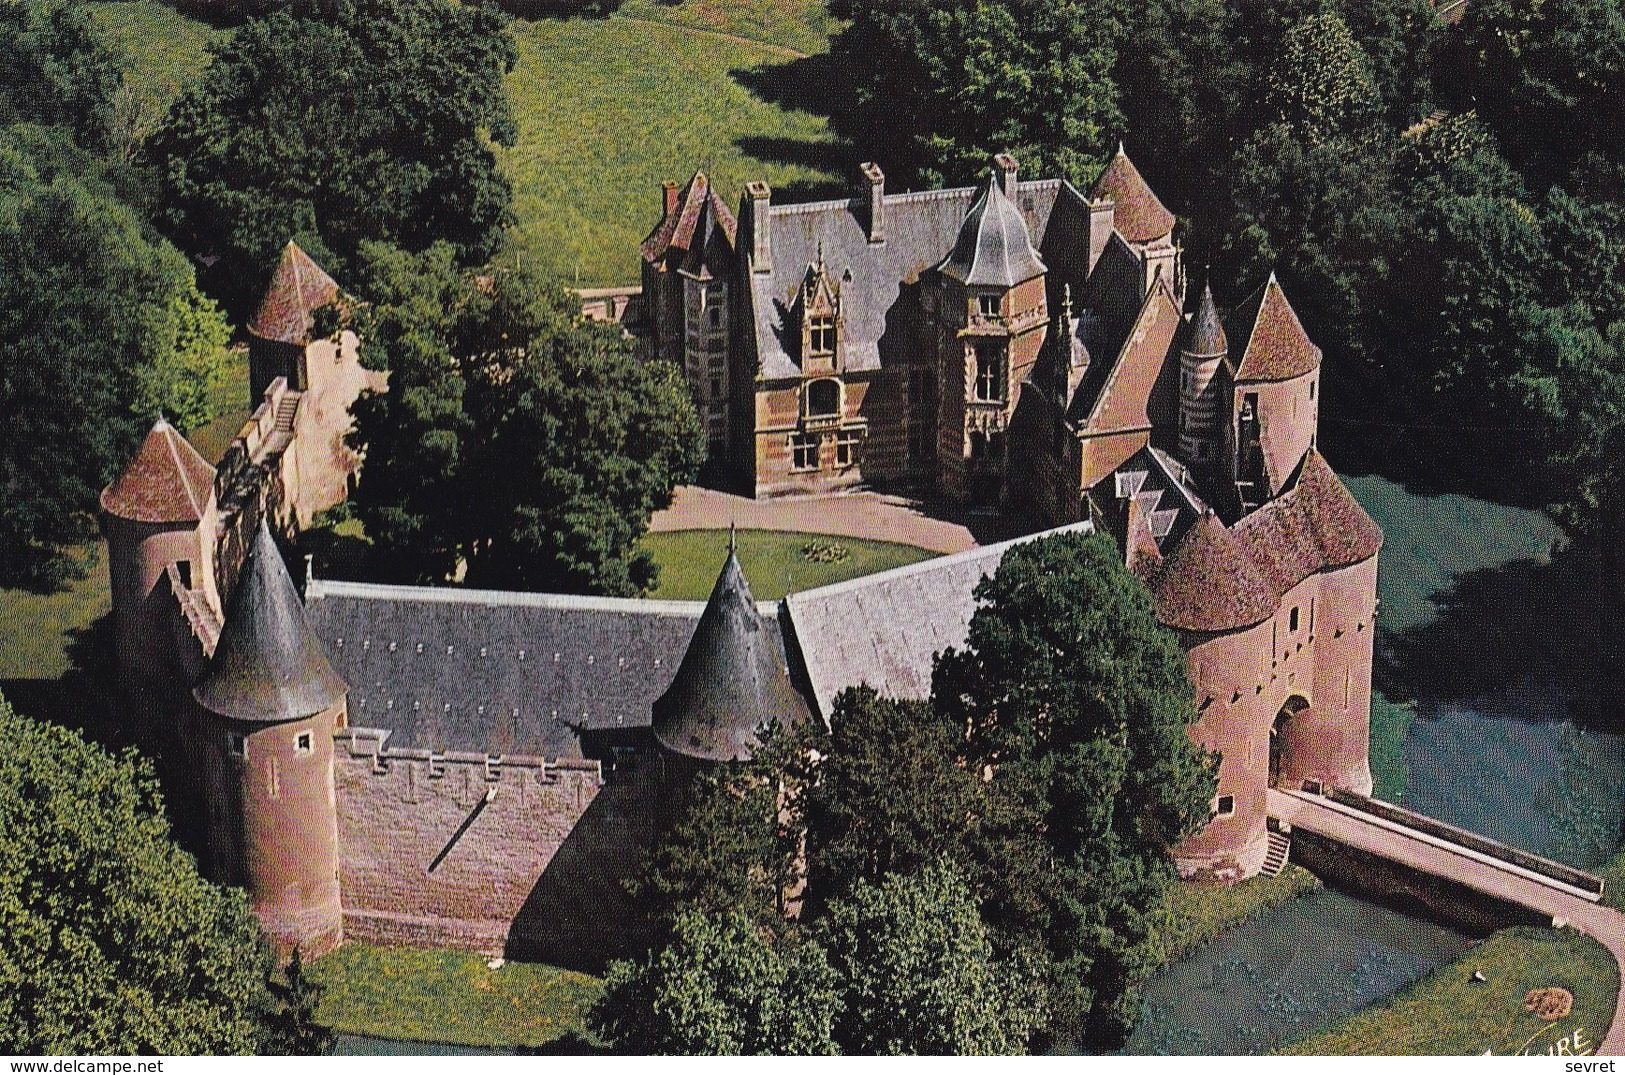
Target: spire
994,248
1277,348
1139,216
269,666
732,679
298,289
1207,330
166,482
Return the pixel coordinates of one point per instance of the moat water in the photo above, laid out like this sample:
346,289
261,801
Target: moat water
1533,780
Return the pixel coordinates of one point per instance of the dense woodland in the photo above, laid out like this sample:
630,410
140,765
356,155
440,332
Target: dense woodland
1443,204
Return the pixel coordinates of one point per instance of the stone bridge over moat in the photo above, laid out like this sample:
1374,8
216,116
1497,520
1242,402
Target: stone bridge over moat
1458,858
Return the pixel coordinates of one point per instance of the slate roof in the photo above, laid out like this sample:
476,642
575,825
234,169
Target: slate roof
166,482
1139,216
1206,336
268,666
1277,348
696,230
732,679
885,629
921,229
993,248
1222,579
298,289
484,670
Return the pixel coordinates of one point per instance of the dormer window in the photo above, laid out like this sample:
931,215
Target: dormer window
988,305
820,337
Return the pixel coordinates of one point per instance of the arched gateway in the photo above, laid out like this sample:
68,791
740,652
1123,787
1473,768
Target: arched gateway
1281,759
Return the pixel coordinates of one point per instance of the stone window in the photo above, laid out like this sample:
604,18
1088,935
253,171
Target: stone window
846,449
803,452
990,376
1292,619
821,336
303,743
988,305
1311,391
823,399
237,745
1224,806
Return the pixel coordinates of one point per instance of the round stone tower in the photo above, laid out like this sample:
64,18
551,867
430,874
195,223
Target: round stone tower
1200,421
732,680
272,702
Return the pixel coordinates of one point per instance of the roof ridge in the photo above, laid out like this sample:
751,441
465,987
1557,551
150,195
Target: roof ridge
170,433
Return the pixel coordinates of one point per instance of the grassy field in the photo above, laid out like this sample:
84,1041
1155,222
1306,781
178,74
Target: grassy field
411,994
773,562
1202,912
36,630
1449,1014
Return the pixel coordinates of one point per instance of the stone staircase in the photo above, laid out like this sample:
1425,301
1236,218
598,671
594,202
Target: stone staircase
287,409
1280,850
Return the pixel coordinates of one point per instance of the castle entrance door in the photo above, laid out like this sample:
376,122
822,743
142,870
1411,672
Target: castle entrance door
1279,744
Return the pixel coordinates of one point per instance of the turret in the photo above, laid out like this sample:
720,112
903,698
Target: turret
159,513
732,680
1201,425
272,702
283,325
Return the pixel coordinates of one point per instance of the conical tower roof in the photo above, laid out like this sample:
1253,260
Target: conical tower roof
269,666
1207,331
732,679
994,248
298,289
1139,214
166,482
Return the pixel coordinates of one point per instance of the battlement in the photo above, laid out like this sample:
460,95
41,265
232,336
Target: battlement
372,744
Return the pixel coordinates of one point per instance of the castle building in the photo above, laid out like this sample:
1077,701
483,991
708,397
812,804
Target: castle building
478,769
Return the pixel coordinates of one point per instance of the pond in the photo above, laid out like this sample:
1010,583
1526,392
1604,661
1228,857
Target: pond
1511,764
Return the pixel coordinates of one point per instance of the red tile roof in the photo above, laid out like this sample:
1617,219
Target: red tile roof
1278,349
1126,394
298,289
678,228
1223,580
166,482
1139,216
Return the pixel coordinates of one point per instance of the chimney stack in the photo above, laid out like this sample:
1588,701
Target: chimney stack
877,201
668,198
759,199
1006,164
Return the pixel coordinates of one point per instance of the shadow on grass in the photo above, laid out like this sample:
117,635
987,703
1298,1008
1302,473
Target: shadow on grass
1523,622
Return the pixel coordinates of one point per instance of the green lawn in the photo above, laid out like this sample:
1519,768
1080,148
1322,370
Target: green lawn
412,994
773,562
36,630
1449,1014
795,25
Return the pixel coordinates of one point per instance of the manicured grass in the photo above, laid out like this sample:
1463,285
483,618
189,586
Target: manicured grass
1449,1014
412,994
773,562
1429,540
1202,912
36,630
799,25
609,108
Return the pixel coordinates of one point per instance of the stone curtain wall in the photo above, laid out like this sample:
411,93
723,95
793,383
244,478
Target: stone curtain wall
443,850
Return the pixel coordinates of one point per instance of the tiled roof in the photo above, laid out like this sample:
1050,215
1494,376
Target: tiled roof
1210,582
921,229
1222,579
993,248
298,289
269,666
732,679
1114,394
1277,348
700,219
1139,216
166,482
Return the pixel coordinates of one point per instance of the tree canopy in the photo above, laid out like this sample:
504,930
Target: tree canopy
102,329
517,442
335,123
58,71
114,944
